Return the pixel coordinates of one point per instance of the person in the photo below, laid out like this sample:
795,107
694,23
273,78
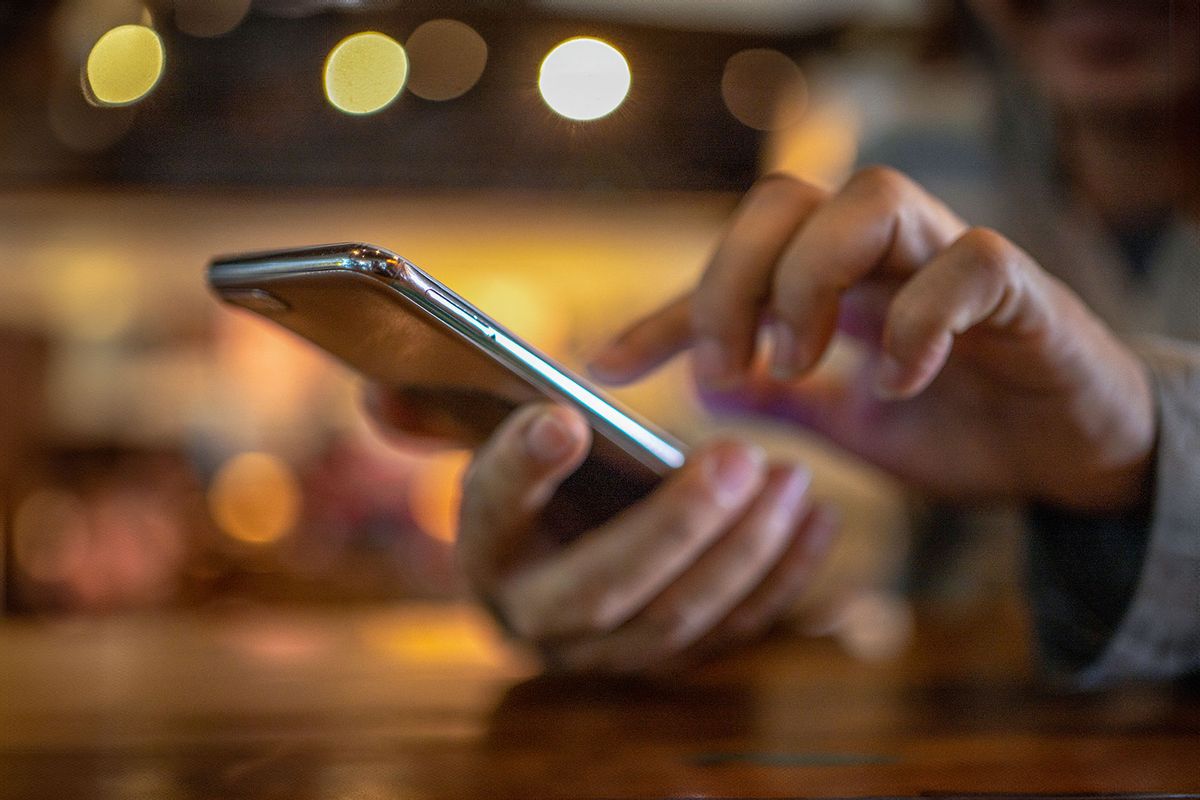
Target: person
992,374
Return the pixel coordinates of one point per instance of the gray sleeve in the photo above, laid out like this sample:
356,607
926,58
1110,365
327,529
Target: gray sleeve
1153,563
1083,572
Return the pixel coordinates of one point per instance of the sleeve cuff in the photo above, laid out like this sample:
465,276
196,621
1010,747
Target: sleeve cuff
1159,636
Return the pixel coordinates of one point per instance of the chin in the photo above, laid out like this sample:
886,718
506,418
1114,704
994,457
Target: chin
1103,56
1123,93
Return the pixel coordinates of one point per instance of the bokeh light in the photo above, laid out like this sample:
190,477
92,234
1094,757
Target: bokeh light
435,493
255,498
209,17
432,638
584,79
124,65
90,296
50,535
365,72
446,59
263,637
764,89
822,149
874,626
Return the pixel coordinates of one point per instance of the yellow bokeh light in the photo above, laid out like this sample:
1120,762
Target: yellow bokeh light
447,59
254,498
90,295
821,149
124,65
435,494
434,638
365,72
584,78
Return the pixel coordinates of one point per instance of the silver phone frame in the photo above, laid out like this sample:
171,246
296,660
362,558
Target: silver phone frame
234,277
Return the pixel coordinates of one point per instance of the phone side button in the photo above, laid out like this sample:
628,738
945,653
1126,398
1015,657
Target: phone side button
466,317
254,299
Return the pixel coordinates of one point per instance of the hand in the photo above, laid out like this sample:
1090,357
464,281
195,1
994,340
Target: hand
711,556
986,376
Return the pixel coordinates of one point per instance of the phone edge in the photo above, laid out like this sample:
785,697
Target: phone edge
412,282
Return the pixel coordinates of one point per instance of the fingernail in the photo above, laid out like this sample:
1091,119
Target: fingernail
710,363
795,486
548,439
733,472
789,495
783,350
887,379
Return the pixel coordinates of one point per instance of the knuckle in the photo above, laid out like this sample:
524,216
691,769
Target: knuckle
788,295
670,627
682,526
990,252
761,545
711,317
683,514
776,187
602,611
657,620
887,184
798,286
795,289
693,506
914,321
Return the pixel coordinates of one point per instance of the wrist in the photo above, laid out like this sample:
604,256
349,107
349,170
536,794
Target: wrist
1136,441
1120,422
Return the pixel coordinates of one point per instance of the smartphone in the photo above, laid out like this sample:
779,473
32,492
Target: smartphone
459,370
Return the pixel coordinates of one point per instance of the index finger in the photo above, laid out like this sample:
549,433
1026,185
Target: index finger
721,317
728,304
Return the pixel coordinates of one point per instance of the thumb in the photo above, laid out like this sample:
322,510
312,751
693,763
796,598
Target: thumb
511,479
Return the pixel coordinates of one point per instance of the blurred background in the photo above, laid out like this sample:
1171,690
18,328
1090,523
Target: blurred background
565,164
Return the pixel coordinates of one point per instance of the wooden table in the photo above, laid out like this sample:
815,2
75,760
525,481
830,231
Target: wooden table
424,702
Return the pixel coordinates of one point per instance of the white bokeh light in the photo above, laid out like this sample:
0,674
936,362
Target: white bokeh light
584,78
